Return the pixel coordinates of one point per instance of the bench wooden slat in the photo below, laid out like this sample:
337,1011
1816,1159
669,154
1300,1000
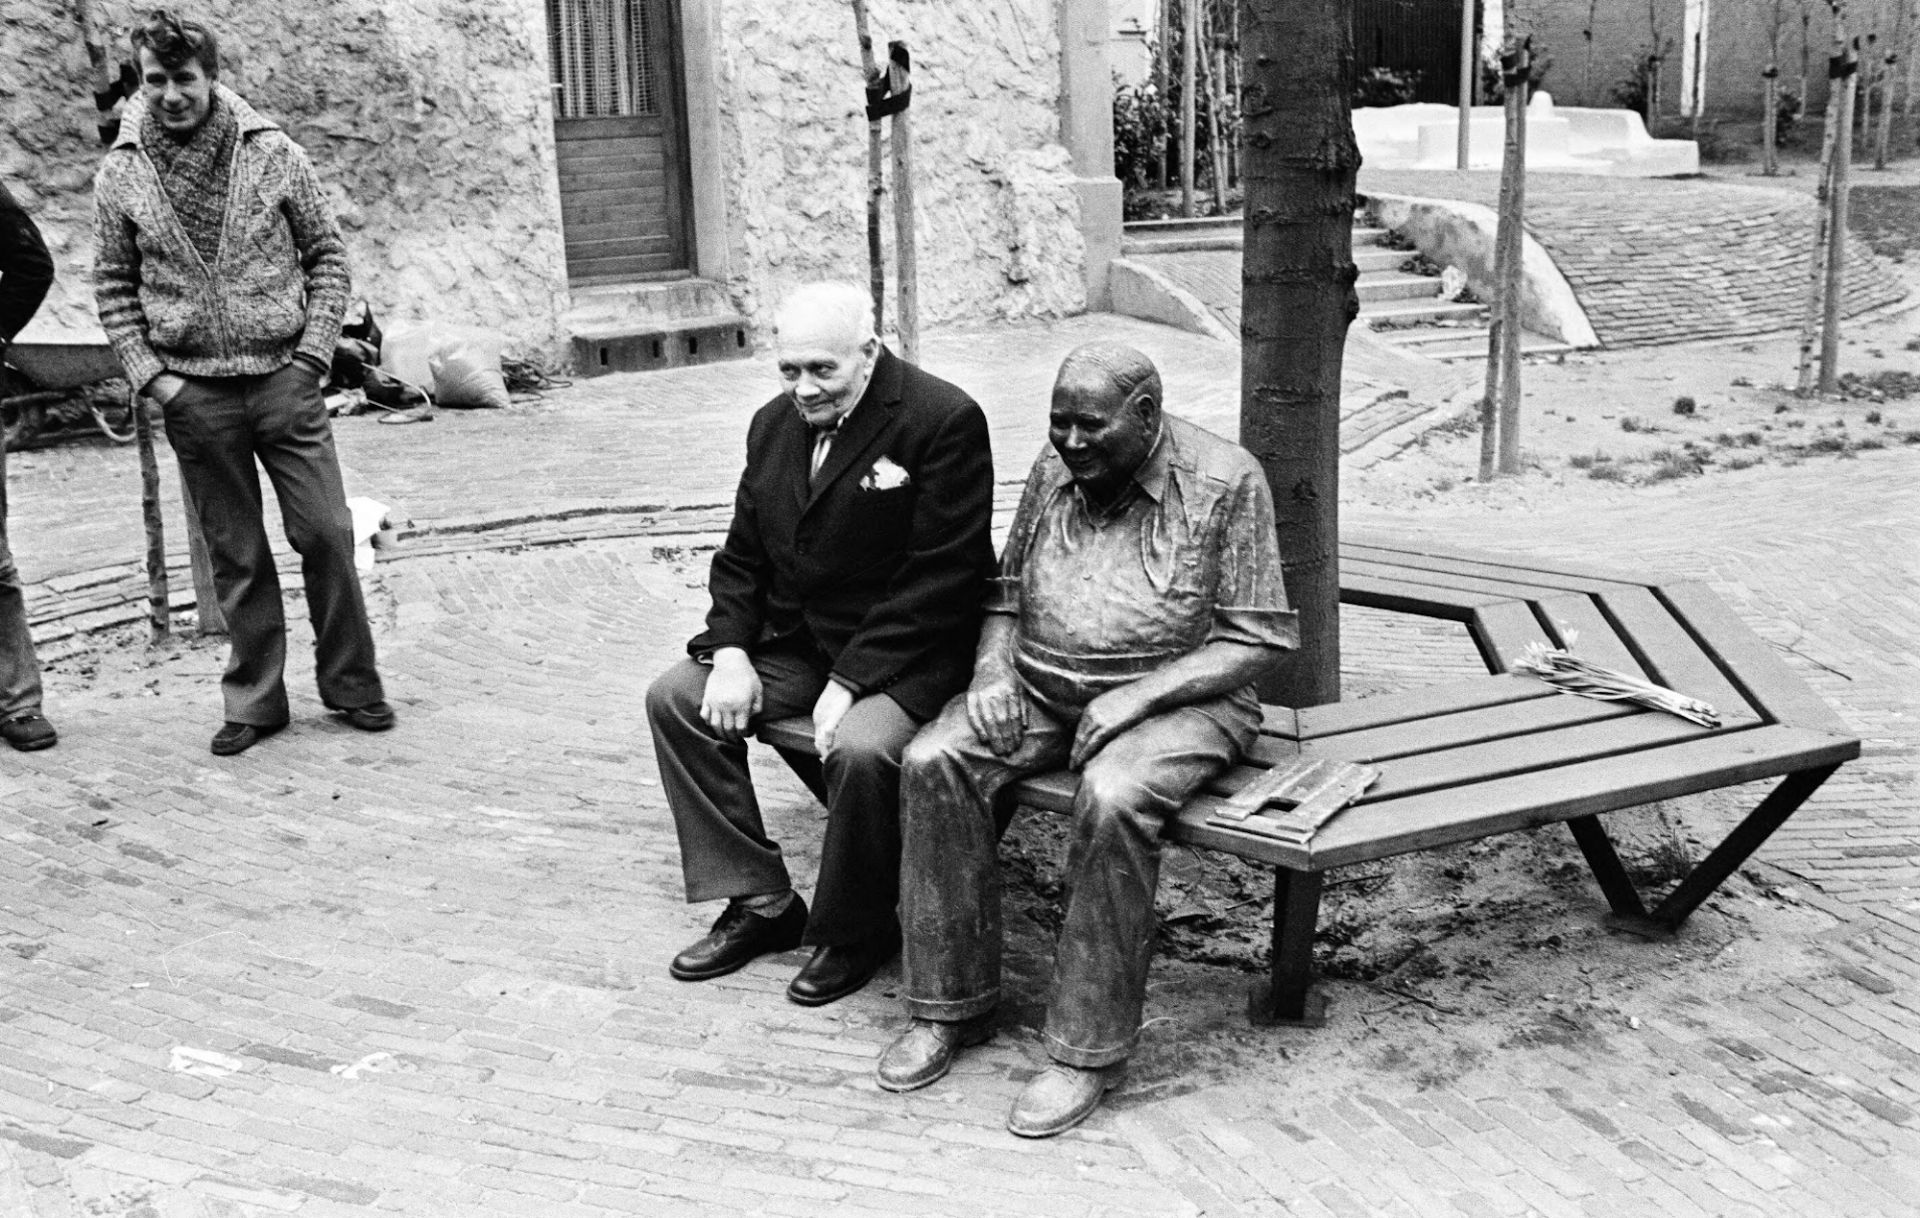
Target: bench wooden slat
1396,596
1532,567
1477,578
1544,580
1542,752
1416,704
1595,639
1446,585
1445,731
1769,684
1672,656
1503,631
1378,830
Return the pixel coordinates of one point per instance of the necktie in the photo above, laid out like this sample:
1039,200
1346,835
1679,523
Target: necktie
822,444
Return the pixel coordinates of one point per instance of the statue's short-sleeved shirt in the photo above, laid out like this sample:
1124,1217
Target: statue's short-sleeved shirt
1187,556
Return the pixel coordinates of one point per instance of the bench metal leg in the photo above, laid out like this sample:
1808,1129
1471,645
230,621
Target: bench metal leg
1288,998
1726,858
1607,868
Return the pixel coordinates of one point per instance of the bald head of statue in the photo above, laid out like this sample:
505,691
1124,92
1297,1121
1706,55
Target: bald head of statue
1105,416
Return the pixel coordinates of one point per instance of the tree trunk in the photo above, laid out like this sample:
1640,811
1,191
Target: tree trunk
1189,70
1298,299
1837,201
876,176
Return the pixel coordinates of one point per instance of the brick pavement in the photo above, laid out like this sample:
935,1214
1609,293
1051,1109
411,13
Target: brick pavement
422,973
1657,260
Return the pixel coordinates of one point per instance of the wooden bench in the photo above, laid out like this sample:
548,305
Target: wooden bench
1475,758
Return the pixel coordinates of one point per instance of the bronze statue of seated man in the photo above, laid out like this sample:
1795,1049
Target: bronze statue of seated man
1138,600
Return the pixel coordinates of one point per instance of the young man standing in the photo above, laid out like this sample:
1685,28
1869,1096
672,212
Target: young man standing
221,277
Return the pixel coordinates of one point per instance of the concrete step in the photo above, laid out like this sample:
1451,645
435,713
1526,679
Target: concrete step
1391,285
1401,310
1442,334
670,323
1179,243
1530,344
1373,258
1182,227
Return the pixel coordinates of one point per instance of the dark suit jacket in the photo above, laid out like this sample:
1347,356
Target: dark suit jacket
888,581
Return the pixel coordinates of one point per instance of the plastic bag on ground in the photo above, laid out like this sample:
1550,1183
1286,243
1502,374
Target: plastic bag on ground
459,365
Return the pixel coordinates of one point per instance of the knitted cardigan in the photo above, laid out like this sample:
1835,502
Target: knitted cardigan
276,290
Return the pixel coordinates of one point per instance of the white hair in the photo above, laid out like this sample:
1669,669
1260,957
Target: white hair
837,309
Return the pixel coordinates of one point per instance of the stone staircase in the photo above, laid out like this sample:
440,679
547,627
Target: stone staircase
1404,308
669,323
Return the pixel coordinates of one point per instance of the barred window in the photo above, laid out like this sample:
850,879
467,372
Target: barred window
599,52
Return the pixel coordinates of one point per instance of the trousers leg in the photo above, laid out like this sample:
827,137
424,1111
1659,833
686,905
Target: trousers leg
212,435
1127,792
724,848
950,858
19,667
294,442
855,896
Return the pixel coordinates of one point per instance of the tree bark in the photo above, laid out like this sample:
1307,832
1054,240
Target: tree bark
1463,138
876,175
1297,300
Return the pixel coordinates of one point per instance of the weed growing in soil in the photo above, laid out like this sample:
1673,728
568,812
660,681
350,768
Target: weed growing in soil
1684,405
1892,385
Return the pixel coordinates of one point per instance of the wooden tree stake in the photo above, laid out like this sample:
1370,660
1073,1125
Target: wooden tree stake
876,175
1517,72
1189,56
1837,202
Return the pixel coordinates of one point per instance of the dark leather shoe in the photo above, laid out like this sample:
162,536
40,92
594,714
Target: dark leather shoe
737,937
838,969
29,732
925,1051
234,738
1060,1097
373,717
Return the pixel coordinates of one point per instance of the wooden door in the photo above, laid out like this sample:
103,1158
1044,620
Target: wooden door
620,138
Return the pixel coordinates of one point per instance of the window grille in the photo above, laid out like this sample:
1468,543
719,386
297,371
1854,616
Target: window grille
599,53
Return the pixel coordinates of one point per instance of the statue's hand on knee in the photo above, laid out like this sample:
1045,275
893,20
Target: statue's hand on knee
997,712
1106,717
732,696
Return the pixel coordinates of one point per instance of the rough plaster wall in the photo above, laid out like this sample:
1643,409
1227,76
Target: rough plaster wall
998,220
427,120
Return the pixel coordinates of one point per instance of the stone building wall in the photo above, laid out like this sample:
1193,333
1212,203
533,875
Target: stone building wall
999,223
430,124
427,120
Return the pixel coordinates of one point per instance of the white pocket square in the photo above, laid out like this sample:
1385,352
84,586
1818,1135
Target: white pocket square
885,476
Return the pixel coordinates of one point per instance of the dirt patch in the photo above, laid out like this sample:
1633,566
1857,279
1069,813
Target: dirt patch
1886,218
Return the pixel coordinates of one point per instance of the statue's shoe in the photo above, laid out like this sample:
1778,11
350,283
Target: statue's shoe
1062,1096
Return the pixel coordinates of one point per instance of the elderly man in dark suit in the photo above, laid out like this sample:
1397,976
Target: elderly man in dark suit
850,585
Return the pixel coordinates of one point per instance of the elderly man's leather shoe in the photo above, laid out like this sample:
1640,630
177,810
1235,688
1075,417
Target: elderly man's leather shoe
1060,1097
925,1051
838,969
739,935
